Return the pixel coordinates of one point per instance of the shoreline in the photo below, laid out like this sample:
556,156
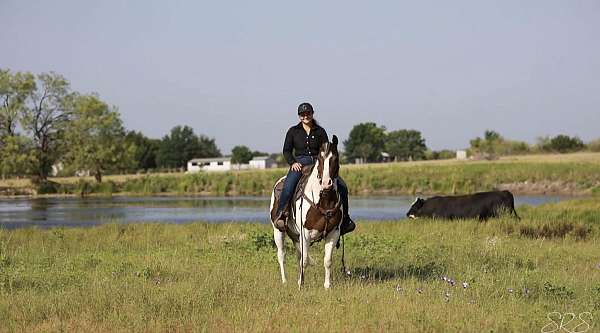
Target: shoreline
517,188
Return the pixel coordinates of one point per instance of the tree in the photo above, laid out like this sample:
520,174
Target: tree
182,145
365,141
16,156
241,155
146,150
96,138
492,136
563,143
46,116
405,145
15,149
14,90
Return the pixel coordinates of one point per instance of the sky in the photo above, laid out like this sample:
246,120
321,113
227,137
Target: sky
236,71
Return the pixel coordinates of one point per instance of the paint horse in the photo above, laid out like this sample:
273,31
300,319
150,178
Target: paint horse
316,213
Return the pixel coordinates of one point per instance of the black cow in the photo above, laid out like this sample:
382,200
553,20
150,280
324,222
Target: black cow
481,205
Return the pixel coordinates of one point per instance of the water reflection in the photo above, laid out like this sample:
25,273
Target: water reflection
46,212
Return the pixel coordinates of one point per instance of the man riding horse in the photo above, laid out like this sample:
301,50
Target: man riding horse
300,149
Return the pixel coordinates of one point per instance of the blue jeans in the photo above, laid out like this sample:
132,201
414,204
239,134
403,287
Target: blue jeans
292,179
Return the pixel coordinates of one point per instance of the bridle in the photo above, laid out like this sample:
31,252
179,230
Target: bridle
326,213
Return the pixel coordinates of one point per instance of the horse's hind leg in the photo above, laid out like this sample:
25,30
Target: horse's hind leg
330,241
279,237
310,260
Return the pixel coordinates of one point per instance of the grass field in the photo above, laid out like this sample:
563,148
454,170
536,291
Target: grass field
224,277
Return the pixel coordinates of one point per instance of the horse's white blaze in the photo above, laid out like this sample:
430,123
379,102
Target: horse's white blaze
326,181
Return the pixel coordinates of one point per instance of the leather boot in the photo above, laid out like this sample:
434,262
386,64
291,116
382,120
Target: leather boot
347,225
281,221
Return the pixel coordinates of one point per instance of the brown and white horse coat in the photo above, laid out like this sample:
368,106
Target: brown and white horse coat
317,213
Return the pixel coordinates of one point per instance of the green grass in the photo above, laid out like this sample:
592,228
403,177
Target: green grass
225,278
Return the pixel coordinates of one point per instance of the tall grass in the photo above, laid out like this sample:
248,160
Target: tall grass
224,278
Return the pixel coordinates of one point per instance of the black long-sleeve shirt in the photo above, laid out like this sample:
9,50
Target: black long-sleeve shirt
300,143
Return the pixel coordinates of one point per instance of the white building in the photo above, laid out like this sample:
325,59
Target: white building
224,164
209,164
461,155
262,162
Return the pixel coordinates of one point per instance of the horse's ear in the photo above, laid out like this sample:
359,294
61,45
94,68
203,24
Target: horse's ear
334,140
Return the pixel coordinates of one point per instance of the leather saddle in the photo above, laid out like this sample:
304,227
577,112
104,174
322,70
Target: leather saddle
306,171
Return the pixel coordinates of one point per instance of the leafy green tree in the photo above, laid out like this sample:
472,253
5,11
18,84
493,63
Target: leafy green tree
182,145
564,143
146,150
241,155
14,90
15,149
492,136
96,138
493,145
366,141
47,113
16,158
405,144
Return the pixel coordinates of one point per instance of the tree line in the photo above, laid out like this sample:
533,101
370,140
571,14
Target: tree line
44,124
493,144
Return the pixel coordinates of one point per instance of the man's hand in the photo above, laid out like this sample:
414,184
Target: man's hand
297,167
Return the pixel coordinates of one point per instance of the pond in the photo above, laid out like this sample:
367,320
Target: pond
49,212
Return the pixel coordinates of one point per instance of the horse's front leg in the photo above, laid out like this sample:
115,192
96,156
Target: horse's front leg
279,238
330,241
303,262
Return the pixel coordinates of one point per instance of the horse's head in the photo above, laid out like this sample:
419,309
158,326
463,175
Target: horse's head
329,164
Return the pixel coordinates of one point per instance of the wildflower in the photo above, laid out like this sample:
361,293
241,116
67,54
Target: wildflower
445,278
526,291
452,282
465,285
399,289
447,296
420,290
472,301
510,290
348,273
